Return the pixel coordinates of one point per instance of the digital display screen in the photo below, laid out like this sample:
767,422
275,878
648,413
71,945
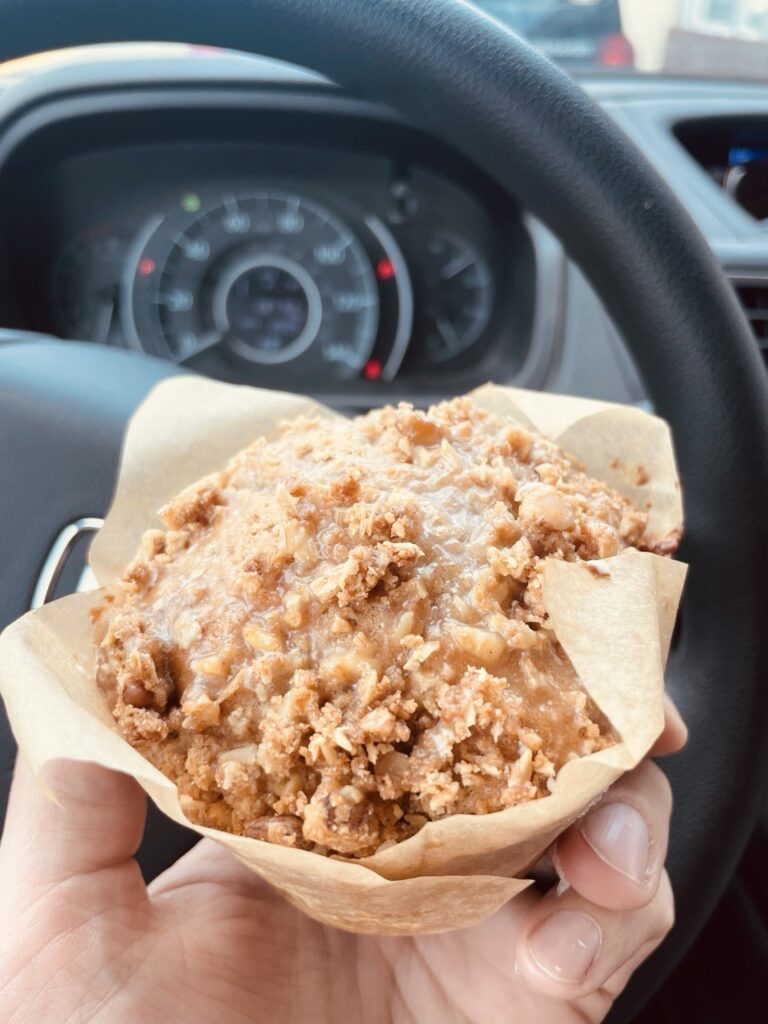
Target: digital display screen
745,154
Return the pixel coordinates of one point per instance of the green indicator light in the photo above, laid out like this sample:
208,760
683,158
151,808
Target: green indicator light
190,202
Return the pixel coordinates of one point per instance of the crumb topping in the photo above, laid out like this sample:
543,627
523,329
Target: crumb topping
342,636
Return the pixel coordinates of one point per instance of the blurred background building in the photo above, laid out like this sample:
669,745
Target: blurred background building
683,37
698,37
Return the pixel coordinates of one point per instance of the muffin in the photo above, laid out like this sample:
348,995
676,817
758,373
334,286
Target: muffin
341,636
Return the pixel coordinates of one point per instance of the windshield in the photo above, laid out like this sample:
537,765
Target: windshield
706,38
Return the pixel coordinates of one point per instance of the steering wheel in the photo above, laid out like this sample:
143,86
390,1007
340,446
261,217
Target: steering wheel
458,75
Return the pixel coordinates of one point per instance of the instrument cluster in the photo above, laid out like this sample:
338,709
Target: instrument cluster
304,268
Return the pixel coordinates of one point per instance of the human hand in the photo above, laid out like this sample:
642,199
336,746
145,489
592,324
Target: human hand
84,941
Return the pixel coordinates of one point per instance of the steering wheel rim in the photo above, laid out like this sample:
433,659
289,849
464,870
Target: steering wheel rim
455,73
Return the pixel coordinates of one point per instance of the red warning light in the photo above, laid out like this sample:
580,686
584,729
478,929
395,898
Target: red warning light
146,266
372,369
385,270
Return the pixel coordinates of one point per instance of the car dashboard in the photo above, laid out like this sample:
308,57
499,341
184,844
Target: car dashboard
344,259
247,220
268,239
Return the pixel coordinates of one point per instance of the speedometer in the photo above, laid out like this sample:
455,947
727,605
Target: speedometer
268,275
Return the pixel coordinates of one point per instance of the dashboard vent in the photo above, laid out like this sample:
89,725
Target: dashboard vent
753,295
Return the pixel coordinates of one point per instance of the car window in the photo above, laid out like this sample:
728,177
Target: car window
703,38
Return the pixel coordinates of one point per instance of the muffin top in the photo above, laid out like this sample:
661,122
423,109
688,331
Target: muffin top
341,636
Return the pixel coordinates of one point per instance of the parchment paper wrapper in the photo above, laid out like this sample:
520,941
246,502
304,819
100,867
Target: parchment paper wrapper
615,625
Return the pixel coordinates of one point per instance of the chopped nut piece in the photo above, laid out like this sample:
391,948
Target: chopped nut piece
545,504
261,639
479,644
421,651
451,454
213,665
295,609
200,713
341,625
245,754
185,631
284,830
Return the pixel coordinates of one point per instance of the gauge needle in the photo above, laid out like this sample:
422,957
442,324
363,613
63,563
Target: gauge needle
104,316
448,333
457,264
203,344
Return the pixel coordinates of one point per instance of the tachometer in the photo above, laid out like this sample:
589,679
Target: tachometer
456,297
268,275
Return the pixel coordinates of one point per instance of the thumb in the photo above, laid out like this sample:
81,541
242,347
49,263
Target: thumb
95,821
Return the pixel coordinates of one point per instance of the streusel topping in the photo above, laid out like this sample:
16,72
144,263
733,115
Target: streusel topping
342,636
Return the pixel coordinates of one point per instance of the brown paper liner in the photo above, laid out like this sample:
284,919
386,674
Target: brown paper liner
615,625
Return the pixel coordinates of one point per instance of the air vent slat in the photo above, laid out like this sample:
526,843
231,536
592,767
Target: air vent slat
753,296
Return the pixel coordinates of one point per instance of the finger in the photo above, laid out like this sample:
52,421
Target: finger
95,821
210,862
569,948
614,855
616,984
675,734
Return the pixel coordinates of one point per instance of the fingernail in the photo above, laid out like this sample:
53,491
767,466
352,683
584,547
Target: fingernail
619,836
565,945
